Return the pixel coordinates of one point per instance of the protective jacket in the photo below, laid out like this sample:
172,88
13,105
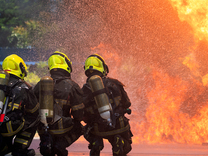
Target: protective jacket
119,101
68,104
21,117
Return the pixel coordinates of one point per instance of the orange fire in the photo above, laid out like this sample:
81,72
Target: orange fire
175,108
169,117
195,13
110,56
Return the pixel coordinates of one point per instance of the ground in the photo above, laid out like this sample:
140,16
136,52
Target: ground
79,148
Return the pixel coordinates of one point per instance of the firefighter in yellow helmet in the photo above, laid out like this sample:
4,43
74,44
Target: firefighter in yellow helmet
20,122
68,108
106,103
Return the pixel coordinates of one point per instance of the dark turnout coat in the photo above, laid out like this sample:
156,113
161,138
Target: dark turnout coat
120,103
22,117
68,104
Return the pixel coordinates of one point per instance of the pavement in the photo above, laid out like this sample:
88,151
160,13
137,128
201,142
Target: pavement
80,148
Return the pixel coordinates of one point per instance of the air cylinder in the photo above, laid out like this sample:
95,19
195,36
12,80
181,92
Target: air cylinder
46,99
4,79
100,96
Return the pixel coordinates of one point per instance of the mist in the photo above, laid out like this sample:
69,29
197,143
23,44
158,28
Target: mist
142,42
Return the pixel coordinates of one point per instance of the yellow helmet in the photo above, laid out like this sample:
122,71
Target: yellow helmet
15,65
95,63
59,60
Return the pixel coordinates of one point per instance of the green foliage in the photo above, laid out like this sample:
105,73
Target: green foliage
42,64
36,72
18,21
20,33
32,78
25,35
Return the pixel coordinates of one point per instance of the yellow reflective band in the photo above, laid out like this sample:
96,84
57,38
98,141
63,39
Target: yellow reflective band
116,152
117,131
77,107
61,102
3,76
60,131
9,127
21,141
15,106
26,134
34,109
10,132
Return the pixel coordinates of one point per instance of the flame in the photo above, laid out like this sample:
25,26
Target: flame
194,12
194,67
166,119
175,108
192,64
110,56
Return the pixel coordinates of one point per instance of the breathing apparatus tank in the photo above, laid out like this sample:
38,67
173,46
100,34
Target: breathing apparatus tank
46,100
4,79
101,98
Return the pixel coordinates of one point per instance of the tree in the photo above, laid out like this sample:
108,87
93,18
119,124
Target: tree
17,18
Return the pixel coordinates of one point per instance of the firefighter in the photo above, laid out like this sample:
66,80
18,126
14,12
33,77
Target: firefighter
68,105
105,109
20,122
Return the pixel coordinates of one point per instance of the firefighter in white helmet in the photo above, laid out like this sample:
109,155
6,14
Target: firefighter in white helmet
65,128
106,103
21,116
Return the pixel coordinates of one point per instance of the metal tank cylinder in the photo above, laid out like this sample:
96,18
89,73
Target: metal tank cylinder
46,99
4,79
101,98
